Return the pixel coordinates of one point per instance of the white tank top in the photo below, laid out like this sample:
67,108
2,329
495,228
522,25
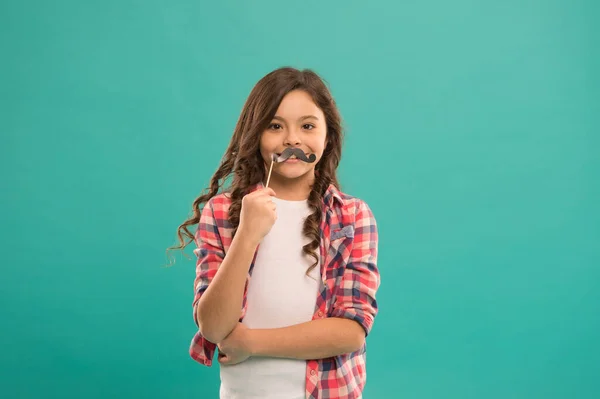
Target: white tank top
279,295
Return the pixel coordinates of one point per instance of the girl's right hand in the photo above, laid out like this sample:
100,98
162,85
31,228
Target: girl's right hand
258,214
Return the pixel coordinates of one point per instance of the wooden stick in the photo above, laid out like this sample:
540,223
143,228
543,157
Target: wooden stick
270,169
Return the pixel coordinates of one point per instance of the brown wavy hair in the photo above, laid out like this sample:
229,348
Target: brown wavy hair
243,159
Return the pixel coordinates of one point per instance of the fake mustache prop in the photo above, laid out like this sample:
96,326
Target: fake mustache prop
286,154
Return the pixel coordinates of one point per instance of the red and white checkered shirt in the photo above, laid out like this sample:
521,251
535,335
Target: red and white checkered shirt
350,277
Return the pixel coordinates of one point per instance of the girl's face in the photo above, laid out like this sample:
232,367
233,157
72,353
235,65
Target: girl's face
297,123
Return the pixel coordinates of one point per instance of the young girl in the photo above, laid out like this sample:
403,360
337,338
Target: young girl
286,275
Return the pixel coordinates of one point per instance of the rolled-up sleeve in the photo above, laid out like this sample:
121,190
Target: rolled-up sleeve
355,296
209,253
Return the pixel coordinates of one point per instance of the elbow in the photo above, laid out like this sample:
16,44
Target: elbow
359,336
210,330
210,335
360,342
353,343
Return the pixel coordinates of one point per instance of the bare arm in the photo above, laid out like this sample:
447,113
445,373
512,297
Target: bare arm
221,278
316,339
219,308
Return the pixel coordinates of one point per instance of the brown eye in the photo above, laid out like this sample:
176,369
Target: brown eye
274,126
308,126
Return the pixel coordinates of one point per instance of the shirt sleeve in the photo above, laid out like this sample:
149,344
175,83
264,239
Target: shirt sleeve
209,252
355,296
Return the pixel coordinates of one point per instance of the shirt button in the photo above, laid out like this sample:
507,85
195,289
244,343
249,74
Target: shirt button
320,314
313,372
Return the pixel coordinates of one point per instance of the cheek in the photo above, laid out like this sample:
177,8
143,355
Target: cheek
267,143
318,144
265,148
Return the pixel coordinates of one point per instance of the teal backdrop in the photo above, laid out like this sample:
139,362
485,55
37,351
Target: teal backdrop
472,132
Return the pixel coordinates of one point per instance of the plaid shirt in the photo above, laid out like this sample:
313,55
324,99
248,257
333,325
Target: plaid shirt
349,274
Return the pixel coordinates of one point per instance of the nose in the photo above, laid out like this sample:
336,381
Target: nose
292,139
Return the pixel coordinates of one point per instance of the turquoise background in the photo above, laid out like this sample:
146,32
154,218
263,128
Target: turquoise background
479,121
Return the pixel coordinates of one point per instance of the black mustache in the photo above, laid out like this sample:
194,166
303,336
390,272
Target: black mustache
288,152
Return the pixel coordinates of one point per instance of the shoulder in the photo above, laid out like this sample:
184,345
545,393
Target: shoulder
357,212
350,214
218,207
220,200
353,205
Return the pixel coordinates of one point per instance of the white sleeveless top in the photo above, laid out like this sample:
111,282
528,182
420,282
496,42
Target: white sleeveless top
279,295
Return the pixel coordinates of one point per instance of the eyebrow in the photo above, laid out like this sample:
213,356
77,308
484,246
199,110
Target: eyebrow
279,118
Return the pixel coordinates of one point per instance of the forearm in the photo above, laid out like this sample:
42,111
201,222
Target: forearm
219,308
316,339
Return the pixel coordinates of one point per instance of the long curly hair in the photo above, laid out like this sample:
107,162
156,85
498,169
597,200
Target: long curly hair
243,159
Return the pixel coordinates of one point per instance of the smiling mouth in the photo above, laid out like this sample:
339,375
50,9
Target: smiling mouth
292,157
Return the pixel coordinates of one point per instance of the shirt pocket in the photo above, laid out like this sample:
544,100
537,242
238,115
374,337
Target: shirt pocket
338,253
346,231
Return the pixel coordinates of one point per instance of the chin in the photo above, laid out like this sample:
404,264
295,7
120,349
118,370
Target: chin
293,174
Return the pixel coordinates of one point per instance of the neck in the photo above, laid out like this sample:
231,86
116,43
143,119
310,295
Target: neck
292,189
